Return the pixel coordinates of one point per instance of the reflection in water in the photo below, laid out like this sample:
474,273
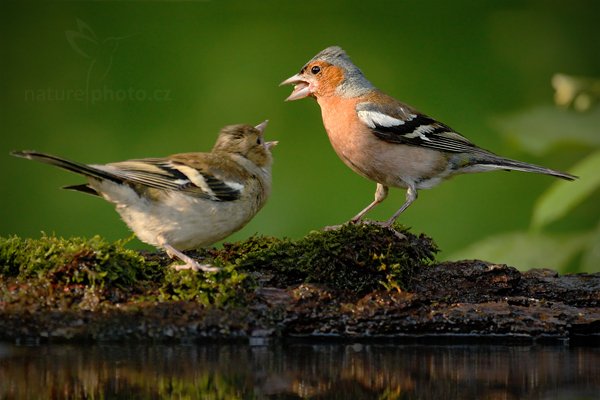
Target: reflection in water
327,371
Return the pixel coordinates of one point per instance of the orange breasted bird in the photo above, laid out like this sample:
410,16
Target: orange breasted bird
385,140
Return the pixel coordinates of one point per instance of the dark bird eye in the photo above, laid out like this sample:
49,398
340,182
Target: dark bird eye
315,70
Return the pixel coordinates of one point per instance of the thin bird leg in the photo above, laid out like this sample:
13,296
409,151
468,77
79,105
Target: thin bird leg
411,195
380,194
189,262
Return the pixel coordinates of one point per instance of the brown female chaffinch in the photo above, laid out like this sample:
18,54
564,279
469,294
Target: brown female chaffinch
184,201
387,141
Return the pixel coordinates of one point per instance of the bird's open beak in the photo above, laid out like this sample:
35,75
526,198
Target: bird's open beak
301,89
261,127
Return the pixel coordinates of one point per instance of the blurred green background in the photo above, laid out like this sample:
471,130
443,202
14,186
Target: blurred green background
106,81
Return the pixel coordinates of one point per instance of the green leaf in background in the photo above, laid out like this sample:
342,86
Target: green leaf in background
578,92
591,257
563,196
527,250
541,128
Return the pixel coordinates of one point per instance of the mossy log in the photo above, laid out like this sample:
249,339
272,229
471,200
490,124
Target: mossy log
357,282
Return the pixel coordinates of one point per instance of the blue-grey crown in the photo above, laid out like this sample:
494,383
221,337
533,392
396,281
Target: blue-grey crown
355,83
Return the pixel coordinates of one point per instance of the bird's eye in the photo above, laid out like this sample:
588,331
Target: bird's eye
315,70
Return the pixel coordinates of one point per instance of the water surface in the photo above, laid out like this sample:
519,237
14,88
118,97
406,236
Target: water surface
321,371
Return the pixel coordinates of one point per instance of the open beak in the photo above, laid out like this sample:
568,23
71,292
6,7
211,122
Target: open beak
301,89
273,143
261,127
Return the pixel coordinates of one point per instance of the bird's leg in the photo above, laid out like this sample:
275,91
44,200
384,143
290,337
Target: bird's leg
189,262
411,195
380,194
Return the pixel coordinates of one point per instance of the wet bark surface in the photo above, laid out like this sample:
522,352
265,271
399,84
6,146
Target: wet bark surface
469,299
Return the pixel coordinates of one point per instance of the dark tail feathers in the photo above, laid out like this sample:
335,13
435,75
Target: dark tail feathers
508,164
72,166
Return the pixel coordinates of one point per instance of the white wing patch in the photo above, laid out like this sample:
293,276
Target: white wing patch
421,132
373,118
235,185
199,180
196,178
181,182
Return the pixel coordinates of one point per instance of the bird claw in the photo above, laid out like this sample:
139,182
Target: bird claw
386,225
353,221
332,228
190,263
195,267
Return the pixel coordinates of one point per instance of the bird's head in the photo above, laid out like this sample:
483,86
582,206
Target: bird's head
331,72
248,141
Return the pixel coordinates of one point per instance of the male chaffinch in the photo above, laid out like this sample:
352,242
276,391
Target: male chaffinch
385,140
188,200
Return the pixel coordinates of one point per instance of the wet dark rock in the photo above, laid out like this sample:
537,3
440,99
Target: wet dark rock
467,281
268,290
574,289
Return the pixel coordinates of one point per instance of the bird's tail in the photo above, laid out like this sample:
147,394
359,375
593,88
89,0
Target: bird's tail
496,162
73,166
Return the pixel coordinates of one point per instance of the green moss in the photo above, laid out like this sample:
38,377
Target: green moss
93,261
88,273
53,270
227,287
355,258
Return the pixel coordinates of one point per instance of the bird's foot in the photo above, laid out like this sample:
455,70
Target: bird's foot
194,266
190,263
332,227
354,221
386,225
